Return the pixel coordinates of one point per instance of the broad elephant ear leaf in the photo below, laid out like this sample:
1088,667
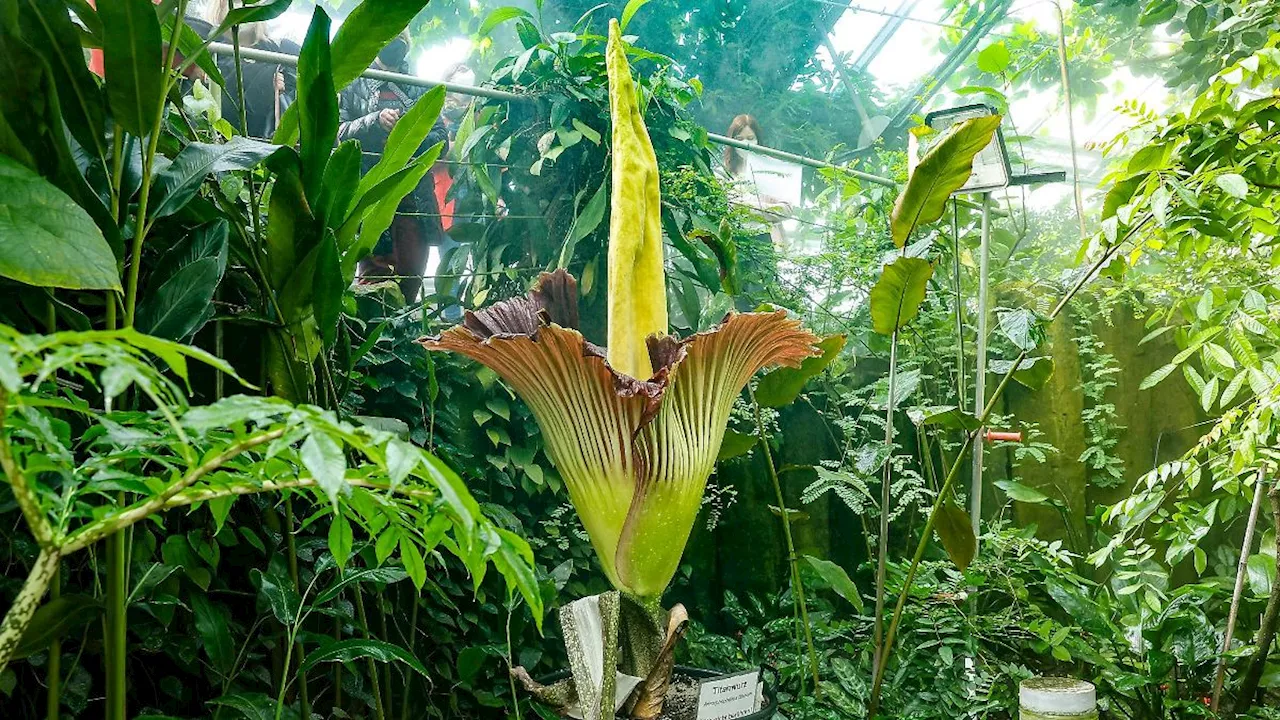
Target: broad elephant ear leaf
897,295
942,171
46,239
956,532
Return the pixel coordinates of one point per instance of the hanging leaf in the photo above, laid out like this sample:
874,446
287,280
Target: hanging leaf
783,385
585,223
735,444
942,171
499,16
324,459
838,579
1032,372
947,416
46,239
1024,494
345,651
897,295
956,532
54,620
213,626
1021,327
132,58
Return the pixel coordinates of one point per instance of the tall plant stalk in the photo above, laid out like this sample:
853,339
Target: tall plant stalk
1237,592
944,492
882,553
792,559
1267,627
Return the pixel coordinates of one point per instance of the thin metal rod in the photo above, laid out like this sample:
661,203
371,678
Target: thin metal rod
218,48
980,371
249,53
1071,120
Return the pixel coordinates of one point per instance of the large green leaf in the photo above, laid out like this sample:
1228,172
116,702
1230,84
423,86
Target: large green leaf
381,575
500,15
344,651
838,579
369,27
330,288
181,304
48,27
584,223
317,105
942,171
54,620
956,532
134,63
783,385
46,239
213,626
34,122
1032,372
405,139
178,183
380,214
341,178
897,295
205,241
281,596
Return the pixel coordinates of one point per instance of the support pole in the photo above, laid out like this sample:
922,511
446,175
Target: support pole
980,369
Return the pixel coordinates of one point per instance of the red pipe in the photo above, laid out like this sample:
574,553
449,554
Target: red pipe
1004,436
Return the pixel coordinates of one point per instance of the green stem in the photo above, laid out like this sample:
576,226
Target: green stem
410,643
284,672
373,667
511,678
292,548
792,558
53,671
141,226
882,553
116,639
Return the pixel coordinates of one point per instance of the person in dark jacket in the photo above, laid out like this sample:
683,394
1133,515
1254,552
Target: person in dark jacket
368,110
269,88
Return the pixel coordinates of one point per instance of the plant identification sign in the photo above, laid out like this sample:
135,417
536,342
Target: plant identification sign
730,696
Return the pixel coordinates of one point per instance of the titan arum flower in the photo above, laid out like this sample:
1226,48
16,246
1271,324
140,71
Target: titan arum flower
634,430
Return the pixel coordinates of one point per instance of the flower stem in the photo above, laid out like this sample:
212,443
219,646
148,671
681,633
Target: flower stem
792,558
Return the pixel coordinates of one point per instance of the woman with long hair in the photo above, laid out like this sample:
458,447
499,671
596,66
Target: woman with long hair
745,128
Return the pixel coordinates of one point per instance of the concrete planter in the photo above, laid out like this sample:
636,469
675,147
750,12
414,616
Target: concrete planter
1054,698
